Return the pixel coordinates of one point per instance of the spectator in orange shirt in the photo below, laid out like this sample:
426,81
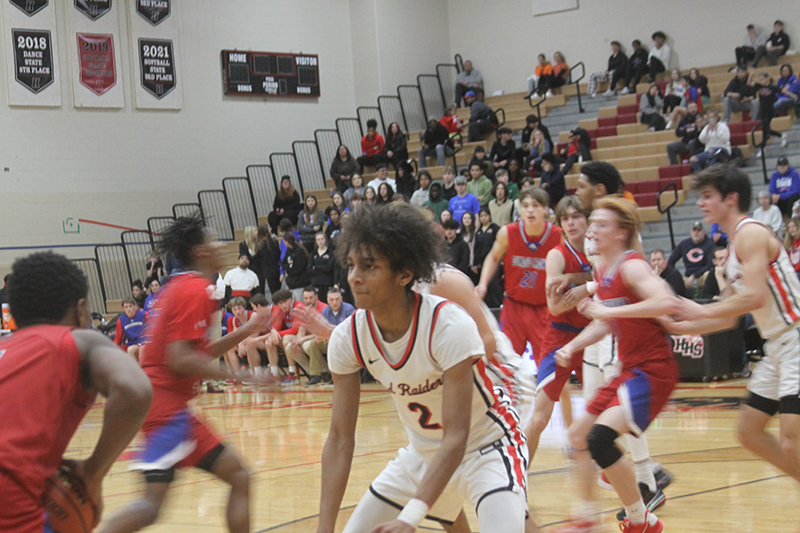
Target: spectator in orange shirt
373,147
560,75
539,80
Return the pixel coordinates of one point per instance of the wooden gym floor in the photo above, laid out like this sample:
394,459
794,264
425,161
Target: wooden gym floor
719,486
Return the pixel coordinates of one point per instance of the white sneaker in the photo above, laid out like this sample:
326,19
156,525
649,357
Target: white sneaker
669,125
549,93
784,139
609,92
758,154
625,91
593,95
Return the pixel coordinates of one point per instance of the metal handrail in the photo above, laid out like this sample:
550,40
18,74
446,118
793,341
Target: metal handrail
538,104
577,82
763,152
227,205
459,62
439,77
668,209
197,206
380,116
460,138
295,144
249,190
422,98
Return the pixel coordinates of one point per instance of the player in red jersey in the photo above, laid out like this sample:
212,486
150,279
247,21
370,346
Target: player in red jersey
175,359
50,372
631,297
565,322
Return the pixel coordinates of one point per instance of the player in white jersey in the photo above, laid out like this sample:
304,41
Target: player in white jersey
464,439
761,282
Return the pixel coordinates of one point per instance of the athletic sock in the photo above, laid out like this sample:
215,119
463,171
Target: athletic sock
636,512
292,369
644,474
275,371
640,453
585,510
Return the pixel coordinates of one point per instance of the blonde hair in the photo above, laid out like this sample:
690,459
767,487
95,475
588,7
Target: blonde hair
251,242
627,219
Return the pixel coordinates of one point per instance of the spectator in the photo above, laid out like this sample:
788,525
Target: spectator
337,202
512,191
479,186
768,213
334,226
501,206
457,249
482,119
436,203
577,149
673,92
793,242
356,187
382,177
284,328
637,67
768,94
4,290
479,155
784,186
422,194
790,89
553,180
316,349
238,317
295,265
538,147
515,175
560,76
435,143
155,267
311,221
286,227
370,196
650,106
700,83
739,95
696,252
658,260
718,235
690,95
503,150
658,60
448,182
468,80
617,64
717,139
130,328
451,121
343,167
716,281
688,130
463,201
249,245
532,123
286,205
293,344
138,293
747,52
404,183
484,240
266,262
356,203
153,288
467,234
396,146
385,194
777,44
320,265
242,281
540,79
373,147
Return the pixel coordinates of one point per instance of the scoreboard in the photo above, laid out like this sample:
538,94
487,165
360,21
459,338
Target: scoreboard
247,73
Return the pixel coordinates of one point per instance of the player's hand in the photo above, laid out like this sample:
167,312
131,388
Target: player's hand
94,486
480,290
688,310
564,355
575,295
397,526
315,323
559,284
594,310
255,324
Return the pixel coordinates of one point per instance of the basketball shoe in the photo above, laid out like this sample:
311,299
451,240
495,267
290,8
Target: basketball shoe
652,500
651,524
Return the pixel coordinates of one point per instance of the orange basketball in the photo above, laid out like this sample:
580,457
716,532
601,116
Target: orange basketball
68,504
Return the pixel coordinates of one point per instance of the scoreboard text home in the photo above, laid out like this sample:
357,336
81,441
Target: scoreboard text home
246,73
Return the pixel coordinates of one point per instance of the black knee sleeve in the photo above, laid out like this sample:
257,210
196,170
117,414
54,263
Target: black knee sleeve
602,447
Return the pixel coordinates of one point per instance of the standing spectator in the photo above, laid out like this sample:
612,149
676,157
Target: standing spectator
421,195
503,150
458,249
435,143
637,67
448,182
311,221
553,180
658,260
467,233
777,44
484,240
404,182
617,64
752,42
650,106
717,280
790,89
385,194
739,95
512,191
673,92
539,81
479,156
768,213
373,147
343,167
396,146
267,260
295,265
320,266
436,203
768,94
468,80
286,205
356,187
688,130
463,201
696,252
560,75
501,207
784,186
793,242
242,281
381,177
479,186
717,138
482,119
658,60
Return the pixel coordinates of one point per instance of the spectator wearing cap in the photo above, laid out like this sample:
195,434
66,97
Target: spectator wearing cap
768,214
658,60
373,147
468,80
784,186
777,44
577,149
382,177
464,201
739,96
481,118
553,179
479,186
617,65
435,143
503,150
696,252
456,246
753,41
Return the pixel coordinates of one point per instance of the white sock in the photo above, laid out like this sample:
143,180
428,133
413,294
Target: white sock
636,512
640,453
292,369
585,510
275,371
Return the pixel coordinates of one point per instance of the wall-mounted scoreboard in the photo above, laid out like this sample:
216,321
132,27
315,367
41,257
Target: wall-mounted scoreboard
248,73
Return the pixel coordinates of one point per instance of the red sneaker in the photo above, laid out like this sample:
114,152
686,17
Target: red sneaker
651,524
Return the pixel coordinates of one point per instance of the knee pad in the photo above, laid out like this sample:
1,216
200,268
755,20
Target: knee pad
602,447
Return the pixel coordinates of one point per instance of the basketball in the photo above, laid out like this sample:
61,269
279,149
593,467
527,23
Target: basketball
68,504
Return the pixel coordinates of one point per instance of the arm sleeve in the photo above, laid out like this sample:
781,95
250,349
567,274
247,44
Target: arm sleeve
773,189
364,145
795,188
454,337
675,256
341,354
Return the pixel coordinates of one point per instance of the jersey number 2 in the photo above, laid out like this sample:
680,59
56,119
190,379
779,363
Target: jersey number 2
424,415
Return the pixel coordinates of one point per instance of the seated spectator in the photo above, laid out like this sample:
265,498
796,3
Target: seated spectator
658,260
130,328
515,172
138,293
688,130
320,265
396,146
658,60
404,182
717,139
717,280
700,83
532,123
637,67
463,201
293,344
421,195
155,268
242,281
295,265
311,221
468,80
753,41
577,149
540,79
739,95
436,202
650,105
560,76
356,187
479,156
696,252
382,177
615,71
343,167
777,44
153,289
338,202
503,150
768,93
316,349
448,183
673,92
768,213
553,180
370,195
690,95
357,201
479,186
373,147
286,204
539,146
334,227
790,89
784,186
451,121
482,119
501,206
238,317
283,328
384,194
435,143
793,242
718,235
511,187
458,250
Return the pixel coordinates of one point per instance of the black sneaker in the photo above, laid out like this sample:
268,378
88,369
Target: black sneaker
652,500
663,476
313,380
327,379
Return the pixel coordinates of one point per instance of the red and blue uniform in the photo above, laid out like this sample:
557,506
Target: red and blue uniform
130,330
524,317
562,329
649,371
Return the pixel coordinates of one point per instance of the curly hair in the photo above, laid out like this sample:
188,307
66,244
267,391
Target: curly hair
42,288
398,232
182,236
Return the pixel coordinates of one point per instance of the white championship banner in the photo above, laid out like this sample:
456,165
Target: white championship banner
154,48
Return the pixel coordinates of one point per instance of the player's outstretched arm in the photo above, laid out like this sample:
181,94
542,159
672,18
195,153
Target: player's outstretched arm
492,261
554,267
315,323
337,455
223,344
591,334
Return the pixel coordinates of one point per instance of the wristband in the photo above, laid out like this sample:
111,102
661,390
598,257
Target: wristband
414,511
591,287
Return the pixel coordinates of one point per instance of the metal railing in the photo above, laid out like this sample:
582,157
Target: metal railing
241,202
365,113
285,164
262,179
577,82
138,247
309,164
156,226
186,210
431,96
763,150
459,62
668,209
350,134
113,263
413,110
97,291
448,76
391,109
217,213
537,106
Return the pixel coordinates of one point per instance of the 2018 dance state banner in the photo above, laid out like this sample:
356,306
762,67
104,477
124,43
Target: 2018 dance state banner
154,50
31,53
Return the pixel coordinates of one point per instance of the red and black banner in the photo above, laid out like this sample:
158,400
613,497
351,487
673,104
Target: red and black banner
98,71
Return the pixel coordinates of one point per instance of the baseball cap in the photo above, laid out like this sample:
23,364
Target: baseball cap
783,161
470,94
697,225
461,180
432,118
